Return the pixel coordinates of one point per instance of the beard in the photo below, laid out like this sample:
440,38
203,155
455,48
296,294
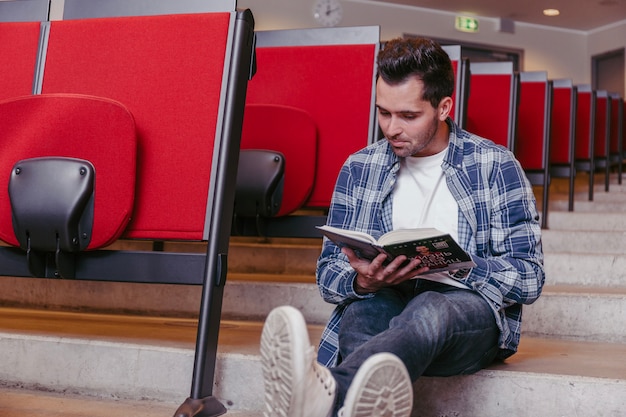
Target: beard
404,147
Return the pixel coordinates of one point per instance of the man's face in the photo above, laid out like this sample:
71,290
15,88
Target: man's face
411,125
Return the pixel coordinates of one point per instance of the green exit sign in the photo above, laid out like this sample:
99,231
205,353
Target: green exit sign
466,24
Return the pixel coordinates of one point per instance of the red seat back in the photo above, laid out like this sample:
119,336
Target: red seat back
492,103
585,121
533,125
563,122
602,124
174,93
623,128
616,124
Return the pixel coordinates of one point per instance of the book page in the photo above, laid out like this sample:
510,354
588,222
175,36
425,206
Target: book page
362,236
407,235
363,244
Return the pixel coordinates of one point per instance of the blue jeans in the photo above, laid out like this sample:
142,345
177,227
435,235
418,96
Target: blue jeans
435,329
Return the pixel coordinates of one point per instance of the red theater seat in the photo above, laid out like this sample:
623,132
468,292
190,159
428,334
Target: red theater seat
293,133
328,73
184,79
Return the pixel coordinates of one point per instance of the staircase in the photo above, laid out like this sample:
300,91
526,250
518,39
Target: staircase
71,339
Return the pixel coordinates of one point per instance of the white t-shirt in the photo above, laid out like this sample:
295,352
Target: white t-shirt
421,198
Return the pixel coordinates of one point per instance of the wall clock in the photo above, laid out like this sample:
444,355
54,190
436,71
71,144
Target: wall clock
328,12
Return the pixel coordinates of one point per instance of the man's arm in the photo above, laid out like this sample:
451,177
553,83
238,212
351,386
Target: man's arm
509,259
335,277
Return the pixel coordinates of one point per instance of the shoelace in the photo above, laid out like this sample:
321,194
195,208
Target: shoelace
322,374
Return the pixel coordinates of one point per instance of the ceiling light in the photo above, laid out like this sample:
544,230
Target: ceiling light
551,12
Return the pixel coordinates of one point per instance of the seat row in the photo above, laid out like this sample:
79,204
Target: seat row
555,128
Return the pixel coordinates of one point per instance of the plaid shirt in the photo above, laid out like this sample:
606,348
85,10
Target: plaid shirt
498,226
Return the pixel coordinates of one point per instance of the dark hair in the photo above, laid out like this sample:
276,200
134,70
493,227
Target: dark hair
402,58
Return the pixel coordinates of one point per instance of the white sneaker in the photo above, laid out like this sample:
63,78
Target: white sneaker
381,388
296,385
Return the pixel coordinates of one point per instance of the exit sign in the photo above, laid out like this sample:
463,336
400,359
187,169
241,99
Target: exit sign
466,24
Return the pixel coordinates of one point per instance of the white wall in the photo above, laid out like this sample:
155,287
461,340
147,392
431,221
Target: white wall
562,53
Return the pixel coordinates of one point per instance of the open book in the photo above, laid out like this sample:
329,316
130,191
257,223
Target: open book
437,250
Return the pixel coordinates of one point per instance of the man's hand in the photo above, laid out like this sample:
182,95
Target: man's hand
374,275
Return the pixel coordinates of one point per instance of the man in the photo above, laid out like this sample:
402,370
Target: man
394,322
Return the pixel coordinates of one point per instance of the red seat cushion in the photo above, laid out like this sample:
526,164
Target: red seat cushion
292,132
99,130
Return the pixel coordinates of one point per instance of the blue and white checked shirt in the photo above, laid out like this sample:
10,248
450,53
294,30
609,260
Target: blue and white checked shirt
498,226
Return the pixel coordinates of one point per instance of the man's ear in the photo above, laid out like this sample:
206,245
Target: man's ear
445,107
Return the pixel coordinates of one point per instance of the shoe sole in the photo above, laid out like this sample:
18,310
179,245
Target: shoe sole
381,388
284,343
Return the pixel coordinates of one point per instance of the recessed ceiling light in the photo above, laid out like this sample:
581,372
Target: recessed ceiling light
551,12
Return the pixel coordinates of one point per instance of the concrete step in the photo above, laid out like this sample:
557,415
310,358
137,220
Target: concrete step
583,242
253,295
587,301
598,205
598,221
599,195
589,270
614,194
114,357
565,311
578,313
41,403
